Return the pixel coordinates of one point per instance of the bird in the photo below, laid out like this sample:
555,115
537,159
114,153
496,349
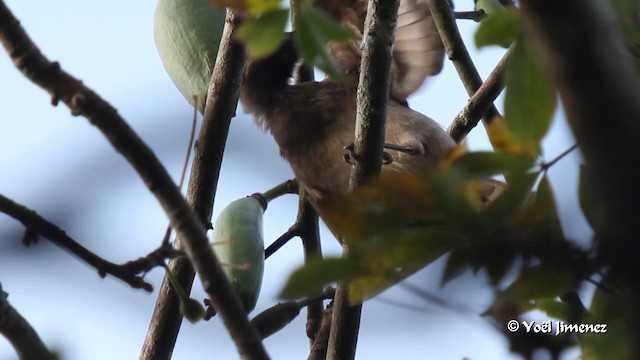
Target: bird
313,122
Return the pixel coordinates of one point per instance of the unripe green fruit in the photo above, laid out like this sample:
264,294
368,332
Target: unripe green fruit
187,35
238,244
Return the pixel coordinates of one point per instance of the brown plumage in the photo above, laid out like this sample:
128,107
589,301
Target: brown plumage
312,122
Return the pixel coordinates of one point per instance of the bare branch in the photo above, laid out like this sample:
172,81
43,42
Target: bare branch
84,101
35,223
480,102
457,52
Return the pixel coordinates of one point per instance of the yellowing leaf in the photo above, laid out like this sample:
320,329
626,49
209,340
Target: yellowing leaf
502,139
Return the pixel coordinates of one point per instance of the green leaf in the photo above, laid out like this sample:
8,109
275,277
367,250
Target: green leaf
542,281
314,29
484,164
550,227
530,100
502,28
512,199
629,23
264,34
488,6
393,256
591,210
610,308
554,308
311,279
258,7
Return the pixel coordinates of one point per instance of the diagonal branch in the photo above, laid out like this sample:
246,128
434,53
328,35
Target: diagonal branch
480,102
457,52
83,101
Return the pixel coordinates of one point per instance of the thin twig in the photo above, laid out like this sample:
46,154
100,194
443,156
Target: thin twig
546,165
83,101
457,52
480,102
280,241
36,223
20,334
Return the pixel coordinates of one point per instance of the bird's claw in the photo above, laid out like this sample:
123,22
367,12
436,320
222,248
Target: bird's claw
350,154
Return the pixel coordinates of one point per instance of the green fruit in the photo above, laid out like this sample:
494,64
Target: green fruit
239,245
187,35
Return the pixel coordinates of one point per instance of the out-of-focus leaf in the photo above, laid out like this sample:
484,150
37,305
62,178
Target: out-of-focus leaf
542,281
499,264
550,228
554,308
514,196
530,99
502,28
488,6
390,203
591,210
628,15
253,7
258,7
610,308
239,5
484,164
314,29
311,279
393,256
457,263
502,139
265,33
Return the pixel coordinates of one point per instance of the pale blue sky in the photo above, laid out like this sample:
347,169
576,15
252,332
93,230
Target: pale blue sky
62,167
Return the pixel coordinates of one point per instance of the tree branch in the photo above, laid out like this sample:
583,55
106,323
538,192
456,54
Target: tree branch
36,224
309,233
84,101
20,334
372,96
480,102
585,55
457,52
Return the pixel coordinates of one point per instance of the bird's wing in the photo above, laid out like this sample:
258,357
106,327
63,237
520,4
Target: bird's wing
418,51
